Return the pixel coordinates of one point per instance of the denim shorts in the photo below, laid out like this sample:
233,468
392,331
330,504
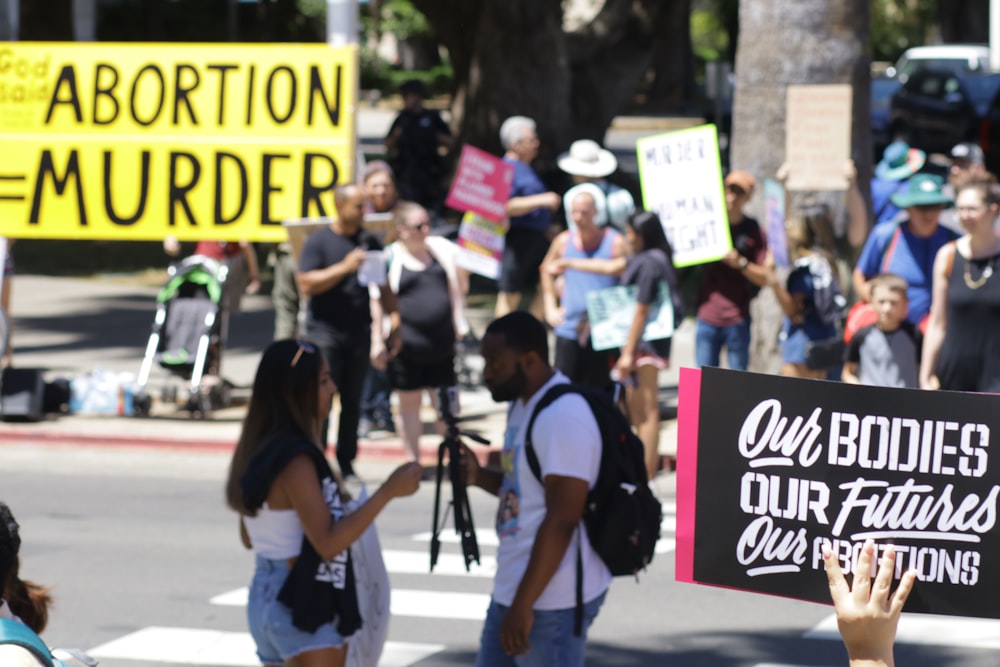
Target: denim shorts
552,641
271,622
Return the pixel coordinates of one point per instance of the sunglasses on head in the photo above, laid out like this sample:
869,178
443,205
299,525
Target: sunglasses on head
304,346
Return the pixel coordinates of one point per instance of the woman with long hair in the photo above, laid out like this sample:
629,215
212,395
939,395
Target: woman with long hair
810,297
294,513
640,361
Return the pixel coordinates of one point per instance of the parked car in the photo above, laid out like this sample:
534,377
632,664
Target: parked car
935,109
882,90
958,58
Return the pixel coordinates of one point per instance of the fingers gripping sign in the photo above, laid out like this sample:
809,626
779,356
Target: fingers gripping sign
868,613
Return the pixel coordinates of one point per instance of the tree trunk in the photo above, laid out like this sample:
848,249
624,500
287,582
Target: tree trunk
786,42
519,58
673,84
47,21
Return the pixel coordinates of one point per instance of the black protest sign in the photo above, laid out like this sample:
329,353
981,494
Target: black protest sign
770,469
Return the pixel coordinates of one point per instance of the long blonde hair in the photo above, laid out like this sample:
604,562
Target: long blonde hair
284,401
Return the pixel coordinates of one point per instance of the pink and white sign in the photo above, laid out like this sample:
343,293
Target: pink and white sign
481,185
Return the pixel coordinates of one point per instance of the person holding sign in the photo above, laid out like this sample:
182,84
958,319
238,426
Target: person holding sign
566,311
339,317
867,615
728,286
530,210
962,350
641,361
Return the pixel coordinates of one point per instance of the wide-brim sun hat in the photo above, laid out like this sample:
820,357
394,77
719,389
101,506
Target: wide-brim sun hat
922,190
899,161
586,158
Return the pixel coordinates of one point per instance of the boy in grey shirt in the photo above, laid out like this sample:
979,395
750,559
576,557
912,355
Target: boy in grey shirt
887,353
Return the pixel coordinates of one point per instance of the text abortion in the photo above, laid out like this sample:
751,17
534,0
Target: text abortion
911,510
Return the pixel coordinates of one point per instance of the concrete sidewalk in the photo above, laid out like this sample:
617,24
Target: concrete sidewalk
71,327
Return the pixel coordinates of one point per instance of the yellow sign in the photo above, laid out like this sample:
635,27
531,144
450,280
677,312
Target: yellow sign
201,141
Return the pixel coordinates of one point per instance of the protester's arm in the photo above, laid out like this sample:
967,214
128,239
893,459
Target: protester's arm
607,267
517,206
328,537
849,374
756,273
554,314
934,337
487,479
253,269
390,307
318,281
860,285
565,498
867,616
626,360
857,211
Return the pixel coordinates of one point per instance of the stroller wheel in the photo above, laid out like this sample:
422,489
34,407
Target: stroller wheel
143,403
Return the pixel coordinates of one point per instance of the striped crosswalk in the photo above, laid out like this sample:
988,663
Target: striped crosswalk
450,594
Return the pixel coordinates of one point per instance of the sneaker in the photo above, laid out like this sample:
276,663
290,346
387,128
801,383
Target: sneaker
365,427
382,427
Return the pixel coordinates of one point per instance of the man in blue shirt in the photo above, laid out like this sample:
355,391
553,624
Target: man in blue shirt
529,211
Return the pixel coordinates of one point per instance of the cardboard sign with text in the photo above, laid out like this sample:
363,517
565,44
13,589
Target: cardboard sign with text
818,136
481,185
770,469
681,177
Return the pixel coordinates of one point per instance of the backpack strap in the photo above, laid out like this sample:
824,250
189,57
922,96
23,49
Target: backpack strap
890,250
545,401
19,634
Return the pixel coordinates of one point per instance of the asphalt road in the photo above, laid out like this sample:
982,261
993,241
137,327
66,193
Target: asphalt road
146,569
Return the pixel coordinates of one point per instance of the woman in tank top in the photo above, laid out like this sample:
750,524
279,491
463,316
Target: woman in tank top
302,607
962,342
430,289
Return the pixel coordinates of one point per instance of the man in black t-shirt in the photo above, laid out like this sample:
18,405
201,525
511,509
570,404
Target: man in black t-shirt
412,143
338,318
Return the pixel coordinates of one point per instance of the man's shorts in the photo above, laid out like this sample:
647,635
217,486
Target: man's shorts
523,253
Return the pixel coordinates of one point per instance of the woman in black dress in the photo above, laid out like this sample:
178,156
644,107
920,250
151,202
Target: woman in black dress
962,343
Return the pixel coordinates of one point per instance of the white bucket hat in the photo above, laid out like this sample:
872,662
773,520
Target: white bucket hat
586,158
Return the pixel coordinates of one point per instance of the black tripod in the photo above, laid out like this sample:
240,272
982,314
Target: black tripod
452,444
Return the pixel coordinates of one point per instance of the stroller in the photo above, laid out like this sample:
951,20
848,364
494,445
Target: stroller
188,336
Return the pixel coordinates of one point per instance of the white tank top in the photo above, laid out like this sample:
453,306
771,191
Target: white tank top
275,534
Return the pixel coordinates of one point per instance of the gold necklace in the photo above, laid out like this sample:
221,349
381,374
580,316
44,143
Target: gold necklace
979,282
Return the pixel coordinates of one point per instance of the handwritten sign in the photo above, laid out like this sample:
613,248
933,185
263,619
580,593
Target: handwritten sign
681,177
610,312
818,136
199,141
480,245
481,185
774,209
790,465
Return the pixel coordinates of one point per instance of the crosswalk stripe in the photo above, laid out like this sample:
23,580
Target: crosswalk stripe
419,562
190,646
404,602
434,604
958,631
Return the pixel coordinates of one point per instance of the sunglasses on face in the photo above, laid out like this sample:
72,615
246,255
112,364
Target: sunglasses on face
929,207
736,190
421,226
304,346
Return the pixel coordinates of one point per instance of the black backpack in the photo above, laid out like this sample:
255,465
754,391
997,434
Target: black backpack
622,516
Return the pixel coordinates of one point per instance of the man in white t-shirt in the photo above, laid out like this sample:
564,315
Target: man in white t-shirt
531,614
